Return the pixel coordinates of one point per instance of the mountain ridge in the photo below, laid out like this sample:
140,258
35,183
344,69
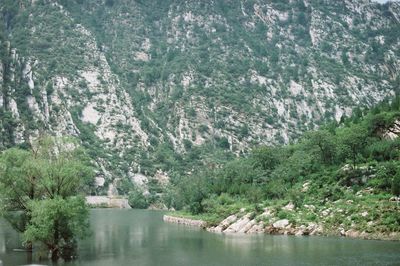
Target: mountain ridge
145,84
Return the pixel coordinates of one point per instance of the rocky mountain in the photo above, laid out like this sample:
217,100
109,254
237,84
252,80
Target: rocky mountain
151,86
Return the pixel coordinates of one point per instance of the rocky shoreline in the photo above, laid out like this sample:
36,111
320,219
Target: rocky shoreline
246,223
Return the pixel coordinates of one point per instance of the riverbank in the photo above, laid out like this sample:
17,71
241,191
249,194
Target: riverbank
350,218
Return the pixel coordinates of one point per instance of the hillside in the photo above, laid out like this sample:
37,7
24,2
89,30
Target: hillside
156,87
341,180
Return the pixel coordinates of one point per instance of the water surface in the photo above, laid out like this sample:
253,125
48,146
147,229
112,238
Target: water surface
140,237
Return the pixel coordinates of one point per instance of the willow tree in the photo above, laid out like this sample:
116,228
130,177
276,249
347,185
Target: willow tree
40,193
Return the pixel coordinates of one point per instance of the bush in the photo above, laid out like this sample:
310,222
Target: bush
396,185
297,197
137,200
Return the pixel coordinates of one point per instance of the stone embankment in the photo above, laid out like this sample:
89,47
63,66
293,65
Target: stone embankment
267,222
184,221
239,223
107,202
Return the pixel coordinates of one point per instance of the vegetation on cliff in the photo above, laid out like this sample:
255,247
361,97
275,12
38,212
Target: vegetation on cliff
159,85
344,176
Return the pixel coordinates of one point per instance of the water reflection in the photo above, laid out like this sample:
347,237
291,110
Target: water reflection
132,237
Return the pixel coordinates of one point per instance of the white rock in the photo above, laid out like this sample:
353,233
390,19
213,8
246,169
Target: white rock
325,212
247,227
239,225
228,221
305,187
99,181
257,228
267,213
289,207
310,207
394,199
281,223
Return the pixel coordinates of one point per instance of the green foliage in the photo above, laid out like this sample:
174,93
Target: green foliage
266,157
322,145
42,184
320,158
137,199
352,141
396,184
58,223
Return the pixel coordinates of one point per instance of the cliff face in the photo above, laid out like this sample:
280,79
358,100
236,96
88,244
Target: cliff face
135,78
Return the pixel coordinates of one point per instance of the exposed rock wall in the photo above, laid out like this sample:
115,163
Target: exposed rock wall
131,77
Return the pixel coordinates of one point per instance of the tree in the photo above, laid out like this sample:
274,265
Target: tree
17,185
57,223
48,176
352,141
321,143
266,157
137,199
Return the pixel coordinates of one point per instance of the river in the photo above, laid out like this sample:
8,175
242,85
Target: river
140,237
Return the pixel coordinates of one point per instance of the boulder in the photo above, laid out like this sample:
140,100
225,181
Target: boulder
305,187
256,228
289,207
228,221
364,235
238,225
281,223
301,231
352,233
314,229
267,213
247,227
394,198
223,225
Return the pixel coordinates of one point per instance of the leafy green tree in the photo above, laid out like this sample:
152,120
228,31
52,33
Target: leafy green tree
322,144
137,199
191,190
352,141
296,167
18,185
53,172
396,185
58,223
266,157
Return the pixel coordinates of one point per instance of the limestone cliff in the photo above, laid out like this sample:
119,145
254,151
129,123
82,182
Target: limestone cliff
133,79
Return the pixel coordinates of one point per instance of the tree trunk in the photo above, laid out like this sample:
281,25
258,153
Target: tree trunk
29,257
55,251
54,254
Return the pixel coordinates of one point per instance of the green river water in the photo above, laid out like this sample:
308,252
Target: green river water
140,237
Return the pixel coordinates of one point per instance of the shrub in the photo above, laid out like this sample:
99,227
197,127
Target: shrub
137,200
396,185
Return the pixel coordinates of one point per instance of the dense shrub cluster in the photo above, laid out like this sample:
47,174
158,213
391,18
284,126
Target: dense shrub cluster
355,154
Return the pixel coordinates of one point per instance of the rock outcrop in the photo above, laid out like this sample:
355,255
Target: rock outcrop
131,79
